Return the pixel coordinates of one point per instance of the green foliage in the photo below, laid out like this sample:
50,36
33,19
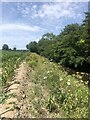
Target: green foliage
70,48
32,63
68,94
32,46
51,106
86,33
10,61
5,47
14,48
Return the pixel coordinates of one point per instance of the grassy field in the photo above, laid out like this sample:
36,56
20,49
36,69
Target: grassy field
10,61
0,67
0,58
52,90
68,95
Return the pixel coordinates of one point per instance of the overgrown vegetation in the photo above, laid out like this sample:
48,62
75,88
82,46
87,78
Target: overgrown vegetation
10,61
68,95
71,48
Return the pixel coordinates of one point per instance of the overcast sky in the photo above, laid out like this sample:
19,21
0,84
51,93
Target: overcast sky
23,22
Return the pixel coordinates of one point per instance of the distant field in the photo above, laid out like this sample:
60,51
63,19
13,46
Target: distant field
0,66
0,71
0,58
10,61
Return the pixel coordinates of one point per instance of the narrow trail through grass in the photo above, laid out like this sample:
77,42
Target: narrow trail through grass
22,95
9,107
42,89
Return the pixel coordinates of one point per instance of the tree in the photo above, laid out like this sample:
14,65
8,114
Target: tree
27,46
14,48
32,46
71,47
86,33
48,36
5,47
45,44
67,48
86,22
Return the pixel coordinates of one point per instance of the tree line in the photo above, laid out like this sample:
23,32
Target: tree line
71,48
6,47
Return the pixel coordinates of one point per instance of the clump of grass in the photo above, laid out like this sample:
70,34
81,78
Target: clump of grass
51,105
32,63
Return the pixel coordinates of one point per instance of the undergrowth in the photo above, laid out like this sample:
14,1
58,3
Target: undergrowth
68,94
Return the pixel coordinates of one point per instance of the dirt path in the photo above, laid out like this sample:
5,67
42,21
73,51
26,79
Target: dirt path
25,98
11,106
22,100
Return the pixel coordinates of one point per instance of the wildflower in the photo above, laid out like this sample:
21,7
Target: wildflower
61,79
80,77
36,99
48,71
69,97
68,80
45,78
71,94
86,82
68,83
77,72
76,98
82,81
68,90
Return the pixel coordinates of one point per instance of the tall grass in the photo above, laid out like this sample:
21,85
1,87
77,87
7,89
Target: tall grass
68,94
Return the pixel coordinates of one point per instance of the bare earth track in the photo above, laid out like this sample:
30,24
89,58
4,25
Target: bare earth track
11,107
21,92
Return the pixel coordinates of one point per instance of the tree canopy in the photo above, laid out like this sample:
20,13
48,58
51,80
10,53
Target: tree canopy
5,47
70,48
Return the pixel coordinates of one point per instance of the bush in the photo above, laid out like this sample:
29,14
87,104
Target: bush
32,63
